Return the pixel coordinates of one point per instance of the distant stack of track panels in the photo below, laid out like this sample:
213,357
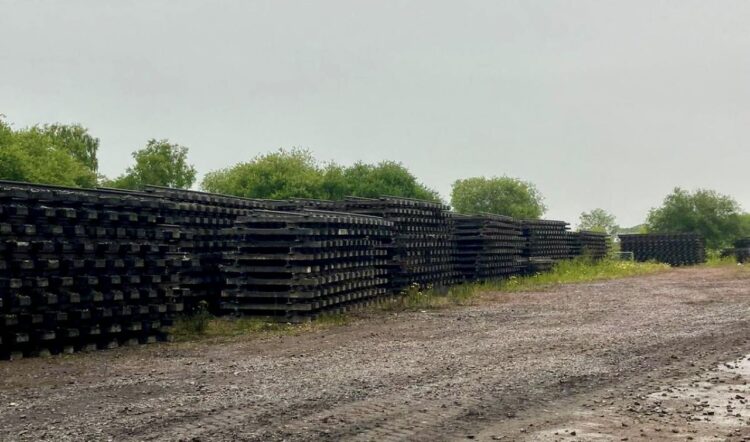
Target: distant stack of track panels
594,244
575,244
742,250
422,253
295,265
486,246
206,217
547,241
82,270
674,249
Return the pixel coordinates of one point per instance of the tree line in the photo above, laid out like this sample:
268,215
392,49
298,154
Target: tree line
66,154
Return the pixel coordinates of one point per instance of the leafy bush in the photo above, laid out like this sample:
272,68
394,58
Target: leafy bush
60,155
160,163
502,196
598,220
192,325
296,174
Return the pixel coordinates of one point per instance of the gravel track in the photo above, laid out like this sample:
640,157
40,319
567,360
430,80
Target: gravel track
533,365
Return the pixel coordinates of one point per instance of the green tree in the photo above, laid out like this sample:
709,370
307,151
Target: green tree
160,163
718,218
640,228
277,175
384,178
75,139
745,225
598,220
499,195
296,174
32,155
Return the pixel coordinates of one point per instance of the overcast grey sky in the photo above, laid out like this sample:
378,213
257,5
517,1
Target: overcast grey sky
600,103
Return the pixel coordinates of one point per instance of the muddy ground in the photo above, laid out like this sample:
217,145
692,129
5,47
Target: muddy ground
661,357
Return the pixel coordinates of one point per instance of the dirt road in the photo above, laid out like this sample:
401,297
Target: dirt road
652,358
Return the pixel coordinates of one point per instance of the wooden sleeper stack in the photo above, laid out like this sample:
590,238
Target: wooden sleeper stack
82,270
487,246
594,244
206,218
676,249
422,252
294,266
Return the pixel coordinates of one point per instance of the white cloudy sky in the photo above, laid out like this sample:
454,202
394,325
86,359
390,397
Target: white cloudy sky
600,103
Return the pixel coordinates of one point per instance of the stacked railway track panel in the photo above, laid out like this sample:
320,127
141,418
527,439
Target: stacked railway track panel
674,249
593,244
297,265
422,253
547,241
84,270
205,217
742,250
487,246
575,244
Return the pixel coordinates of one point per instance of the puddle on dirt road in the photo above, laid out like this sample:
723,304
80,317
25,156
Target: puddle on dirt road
719,399
712,406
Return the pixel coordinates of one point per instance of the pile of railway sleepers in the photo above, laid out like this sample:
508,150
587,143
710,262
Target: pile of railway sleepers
486,246
534,265
575,244
206,218
295,265
594,244
675,249
82,270
546,239
422,251
742,250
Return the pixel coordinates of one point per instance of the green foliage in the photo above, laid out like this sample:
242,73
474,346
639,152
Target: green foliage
502,196
640,228
160,163
75,139
278,175
42,156
598,220
192,328
195,324
745,225
715,216
385,178
296,174
715,259
415,298
582,270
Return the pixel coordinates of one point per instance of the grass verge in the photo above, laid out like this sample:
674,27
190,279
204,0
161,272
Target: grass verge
203,325
564,272
714,259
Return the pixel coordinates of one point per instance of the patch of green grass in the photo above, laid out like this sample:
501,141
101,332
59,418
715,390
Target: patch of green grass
194,324
186,328
581,270
332,319
564,272
714,259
